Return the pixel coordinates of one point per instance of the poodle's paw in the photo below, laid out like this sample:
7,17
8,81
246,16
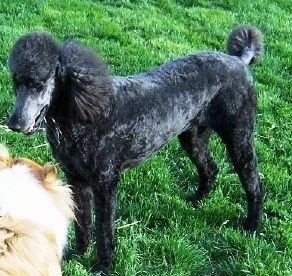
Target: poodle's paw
100,271
197,197
69,254
251,225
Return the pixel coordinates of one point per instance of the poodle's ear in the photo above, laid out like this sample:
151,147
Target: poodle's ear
50,173
88,82
5,159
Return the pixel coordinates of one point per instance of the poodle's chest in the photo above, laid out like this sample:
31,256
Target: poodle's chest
67,147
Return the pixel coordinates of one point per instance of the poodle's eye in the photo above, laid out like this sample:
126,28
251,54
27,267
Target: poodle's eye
38,86
34,85
30,84
27,82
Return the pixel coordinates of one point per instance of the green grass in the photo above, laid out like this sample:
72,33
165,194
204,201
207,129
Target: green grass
158,232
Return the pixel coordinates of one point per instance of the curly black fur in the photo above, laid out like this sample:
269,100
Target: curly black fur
100,125
84,74
246,42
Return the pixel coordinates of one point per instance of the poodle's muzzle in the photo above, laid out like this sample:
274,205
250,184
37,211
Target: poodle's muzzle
30,108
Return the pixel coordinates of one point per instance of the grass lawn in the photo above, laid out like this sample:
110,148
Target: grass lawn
158,232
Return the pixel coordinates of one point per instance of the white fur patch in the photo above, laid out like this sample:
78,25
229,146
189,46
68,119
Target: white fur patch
23,197
3,152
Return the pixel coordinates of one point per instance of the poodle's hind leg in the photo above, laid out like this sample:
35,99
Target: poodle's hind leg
195,143
239,143
82,196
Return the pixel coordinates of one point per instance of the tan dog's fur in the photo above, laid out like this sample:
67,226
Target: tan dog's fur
28,248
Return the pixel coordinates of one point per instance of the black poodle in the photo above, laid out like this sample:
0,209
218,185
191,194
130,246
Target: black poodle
100,125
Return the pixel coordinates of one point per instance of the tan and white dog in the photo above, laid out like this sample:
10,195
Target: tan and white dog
35,210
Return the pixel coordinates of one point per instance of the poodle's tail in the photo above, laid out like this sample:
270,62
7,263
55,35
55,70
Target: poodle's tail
246,42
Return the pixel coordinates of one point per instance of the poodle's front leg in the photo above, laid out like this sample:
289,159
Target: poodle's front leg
104,193
82,195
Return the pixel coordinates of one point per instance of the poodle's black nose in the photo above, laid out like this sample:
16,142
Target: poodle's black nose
16,128
14,125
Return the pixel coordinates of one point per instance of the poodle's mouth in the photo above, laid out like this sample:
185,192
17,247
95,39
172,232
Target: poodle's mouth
37,123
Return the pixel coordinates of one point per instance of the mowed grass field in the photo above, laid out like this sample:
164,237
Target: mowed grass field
158,232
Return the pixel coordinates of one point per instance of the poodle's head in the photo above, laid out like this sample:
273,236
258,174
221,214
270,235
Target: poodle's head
67,82
33,64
